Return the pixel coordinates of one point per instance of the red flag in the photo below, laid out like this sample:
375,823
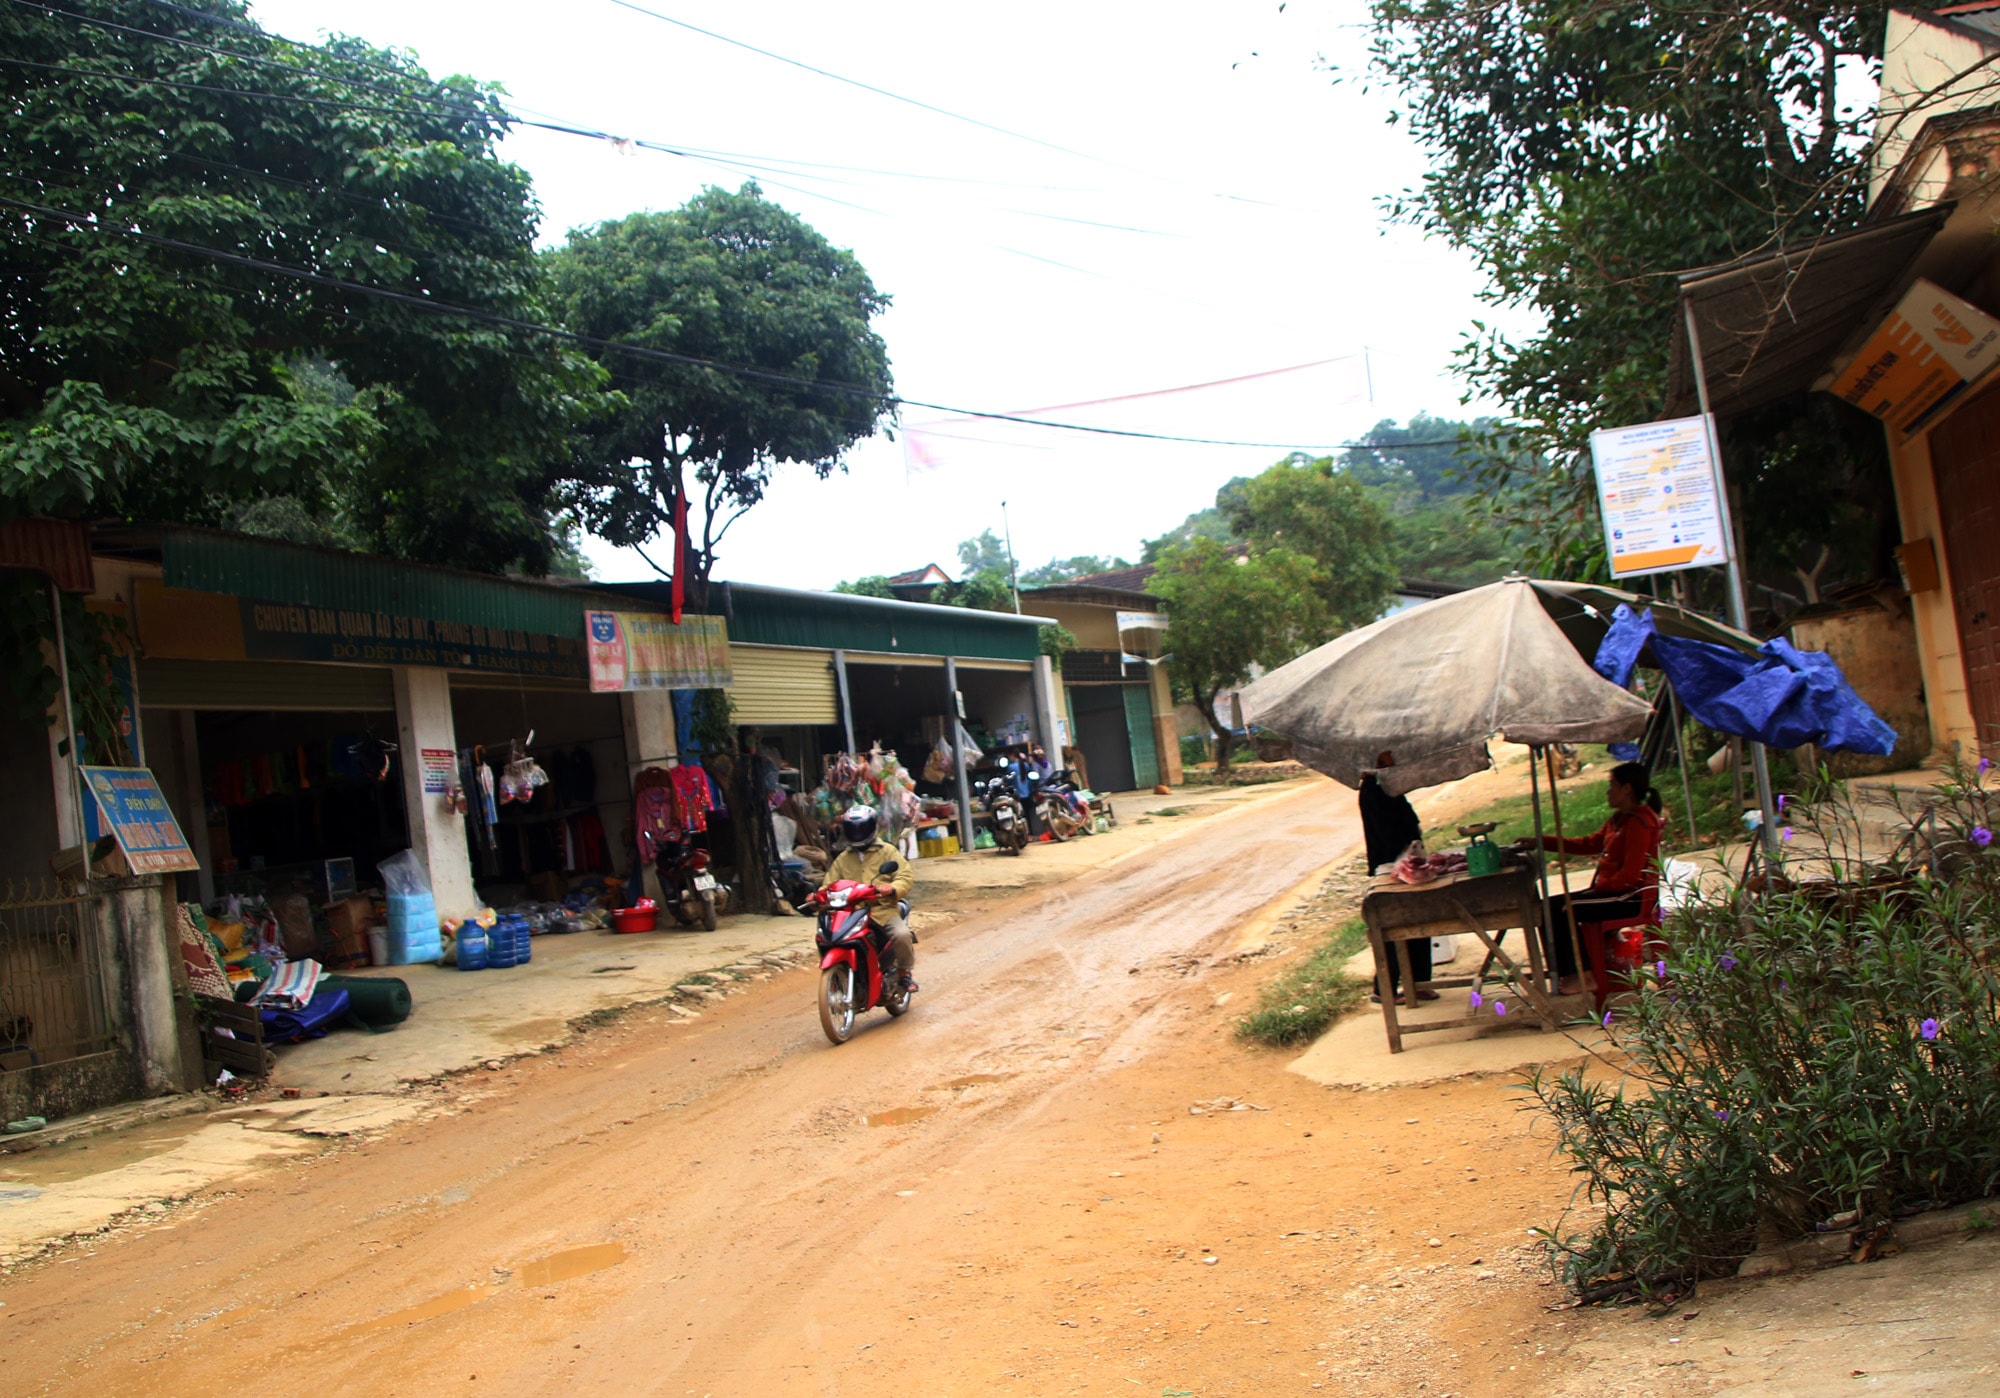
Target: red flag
680,552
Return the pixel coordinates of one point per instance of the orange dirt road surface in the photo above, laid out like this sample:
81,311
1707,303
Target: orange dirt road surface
1004,1192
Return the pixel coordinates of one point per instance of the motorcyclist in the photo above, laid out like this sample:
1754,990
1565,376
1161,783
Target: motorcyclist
861,861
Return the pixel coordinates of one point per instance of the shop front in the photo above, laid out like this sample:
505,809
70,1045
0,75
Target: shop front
1118,703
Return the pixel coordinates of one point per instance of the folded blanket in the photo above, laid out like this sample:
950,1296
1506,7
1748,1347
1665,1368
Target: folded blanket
291,986
290,1026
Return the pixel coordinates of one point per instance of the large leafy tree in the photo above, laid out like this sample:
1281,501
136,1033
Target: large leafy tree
1583,151
775,361
1423,474
144,374
1229,614
1307,506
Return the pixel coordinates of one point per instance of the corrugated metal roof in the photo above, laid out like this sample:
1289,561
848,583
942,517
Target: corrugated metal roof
783,616
241,566
58,547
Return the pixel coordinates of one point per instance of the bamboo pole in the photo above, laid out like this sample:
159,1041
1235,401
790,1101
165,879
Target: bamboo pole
1541,850
1681,755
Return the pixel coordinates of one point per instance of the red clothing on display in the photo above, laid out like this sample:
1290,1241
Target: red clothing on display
1629,844
691,794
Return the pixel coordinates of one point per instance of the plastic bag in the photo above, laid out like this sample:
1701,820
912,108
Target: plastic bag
404,873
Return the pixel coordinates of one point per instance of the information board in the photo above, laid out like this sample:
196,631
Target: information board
1930,348
643,650
137,813
1656,491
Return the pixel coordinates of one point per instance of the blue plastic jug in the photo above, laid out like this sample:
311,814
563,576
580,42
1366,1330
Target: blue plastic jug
472,945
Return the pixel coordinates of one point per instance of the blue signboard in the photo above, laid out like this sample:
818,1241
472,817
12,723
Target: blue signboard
140,821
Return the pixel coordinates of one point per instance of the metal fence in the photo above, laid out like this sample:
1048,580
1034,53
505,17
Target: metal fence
52,992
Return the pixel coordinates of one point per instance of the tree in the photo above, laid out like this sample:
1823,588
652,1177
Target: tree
144,376
1307,506
985,554
1062,570
1583,151
1229,613
728,279
874,585
1439,526
1211,523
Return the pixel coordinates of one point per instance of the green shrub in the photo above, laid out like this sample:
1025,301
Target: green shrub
1796,1056
1302,1002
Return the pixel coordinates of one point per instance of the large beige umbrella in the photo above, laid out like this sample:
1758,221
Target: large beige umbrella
1428,688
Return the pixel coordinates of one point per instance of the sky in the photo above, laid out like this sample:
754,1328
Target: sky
1179,193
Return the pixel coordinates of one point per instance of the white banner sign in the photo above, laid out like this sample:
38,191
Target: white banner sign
1656,490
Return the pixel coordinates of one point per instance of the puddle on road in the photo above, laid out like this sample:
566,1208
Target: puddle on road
969,1080
428,1310
543,1271
574,1262
898,1116
93,1155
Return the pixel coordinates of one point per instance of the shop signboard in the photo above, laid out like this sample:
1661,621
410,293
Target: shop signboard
183,625
1656,491
1929,349
140,821
645,650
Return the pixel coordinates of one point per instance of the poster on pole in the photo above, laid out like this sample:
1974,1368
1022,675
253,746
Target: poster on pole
1932,346
136,810
1656,491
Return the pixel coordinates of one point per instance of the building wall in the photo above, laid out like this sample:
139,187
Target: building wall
1095,628
1946,702
1928,71
1876,649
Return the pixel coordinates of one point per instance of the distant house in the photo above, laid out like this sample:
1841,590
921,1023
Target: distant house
1115,699
919,584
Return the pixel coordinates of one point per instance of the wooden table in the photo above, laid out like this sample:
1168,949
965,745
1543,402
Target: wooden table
1400,913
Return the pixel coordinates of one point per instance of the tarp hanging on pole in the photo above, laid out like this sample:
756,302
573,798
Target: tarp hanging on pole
1782,697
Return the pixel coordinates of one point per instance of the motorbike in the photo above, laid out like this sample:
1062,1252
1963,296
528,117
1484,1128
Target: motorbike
1010,822
852,953
686,886
1063,813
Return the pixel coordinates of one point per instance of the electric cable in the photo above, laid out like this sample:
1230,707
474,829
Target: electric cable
92,224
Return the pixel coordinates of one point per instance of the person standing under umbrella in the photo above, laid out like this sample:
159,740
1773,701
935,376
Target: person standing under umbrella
1389,825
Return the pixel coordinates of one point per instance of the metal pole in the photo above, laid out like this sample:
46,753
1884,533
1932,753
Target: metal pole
1739,599
1013,572
69,725
1541,862
846,704
1681,756
954,723
1562,873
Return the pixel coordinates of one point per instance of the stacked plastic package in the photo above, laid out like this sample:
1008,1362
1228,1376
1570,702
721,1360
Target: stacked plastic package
413,921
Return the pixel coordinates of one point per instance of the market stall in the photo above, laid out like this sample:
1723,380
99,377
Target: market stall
1414,700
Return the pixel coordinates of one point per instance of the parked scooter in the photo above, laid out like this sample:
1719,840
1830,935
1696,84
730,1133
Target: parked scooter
1010,822
686,886
853,952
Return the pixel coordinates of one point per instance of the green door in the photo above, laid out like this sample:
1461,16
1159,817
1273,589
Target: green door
1139,728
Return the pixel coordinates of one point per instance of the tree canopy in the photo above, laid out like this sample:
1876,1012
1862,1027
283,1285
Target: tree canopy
1583,151
1228,613
1423,476
145,374
731,279
1062,570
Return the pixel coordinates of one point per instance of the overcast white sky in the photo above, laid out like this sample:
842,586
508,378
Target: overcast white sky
1242,180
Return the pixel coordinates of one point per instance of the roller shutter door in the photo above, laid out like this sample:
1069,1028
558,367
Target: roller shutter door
774,686
265,684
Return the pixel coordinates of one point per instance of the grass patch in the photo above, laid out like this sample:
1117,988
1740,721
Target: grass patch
1303,1000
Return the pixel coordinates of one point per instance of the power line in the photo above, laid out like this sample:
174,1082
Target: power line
91,224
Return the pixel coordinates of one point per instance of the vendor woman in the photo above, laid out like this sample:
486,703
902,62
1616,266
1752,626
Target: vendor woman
1628,851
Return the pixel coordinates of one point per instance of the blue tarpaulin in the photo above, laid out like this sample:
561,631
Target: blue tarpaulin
1782,697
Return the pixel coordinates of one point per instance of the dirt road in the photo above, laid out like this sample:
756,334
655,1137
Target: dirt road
1004,1192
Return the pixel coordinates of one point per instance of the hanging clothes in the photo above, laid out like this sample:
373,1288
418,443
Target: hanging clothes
691,795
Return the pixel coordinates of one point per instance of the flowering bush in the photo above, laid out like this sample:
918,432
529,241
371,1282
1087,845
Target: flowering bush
1828,1047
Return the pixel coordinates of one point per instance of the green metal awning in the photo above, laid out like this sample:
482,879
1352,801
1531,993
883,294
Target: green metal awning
242,566
783,616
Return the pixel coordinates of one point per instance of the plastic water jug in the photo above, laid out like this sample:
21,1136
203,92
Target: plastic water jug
472,946
503,943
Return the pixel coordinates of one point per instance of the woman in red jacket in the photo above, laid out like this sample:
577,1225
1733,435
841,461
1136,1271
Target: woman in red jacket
1628,851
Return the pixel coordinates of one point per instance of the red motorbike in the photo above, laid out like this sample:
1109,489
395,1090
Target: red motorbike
689,888
852,953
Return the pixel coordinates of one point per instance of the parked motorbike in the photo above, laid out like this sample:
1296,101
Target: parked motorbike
1010,822
687,887
1063,813
853,952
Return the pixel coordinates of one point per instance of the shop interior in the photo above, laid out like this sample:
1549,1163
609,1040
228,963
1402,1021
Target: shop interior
575,821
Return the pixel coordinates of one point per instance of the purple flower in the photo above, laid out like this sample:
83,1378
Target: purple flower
1784,984
1722,1114
1981,836
1728,962
1607,1019
1985,765
1929,1029
1477,999
1785,833
1781,800
1660,969
1499,1007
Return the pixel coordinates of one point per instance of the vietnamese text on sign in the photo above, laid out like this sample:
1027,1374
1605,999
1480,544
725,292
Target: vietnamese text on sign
1656,491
